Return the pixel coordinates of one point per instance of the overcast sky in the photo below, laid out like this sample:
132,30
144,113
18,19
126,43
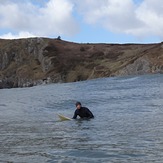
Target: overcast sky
110,21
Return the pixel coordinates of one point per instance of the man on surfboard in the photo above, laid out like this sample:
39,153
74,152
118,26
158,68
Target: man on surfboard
82,112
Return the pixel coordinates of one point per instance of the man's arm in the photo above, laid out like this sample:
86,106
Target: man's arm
75,115
90,113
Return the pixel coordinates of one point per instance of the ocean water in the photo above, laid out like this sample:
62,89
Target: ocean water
127,128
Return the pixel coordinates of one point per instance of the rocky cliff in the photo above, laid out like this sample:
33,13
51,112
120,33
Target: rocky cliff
28,62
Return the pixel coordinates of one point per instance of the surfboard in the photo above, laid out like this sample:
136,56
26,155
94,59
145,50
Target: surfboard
64,118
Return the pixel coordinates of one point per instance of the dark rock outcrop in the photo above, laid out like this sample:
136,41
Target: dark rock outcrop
34,61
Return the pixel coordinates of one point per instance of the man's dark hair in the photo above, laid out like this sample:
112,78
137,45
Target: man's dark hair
78,103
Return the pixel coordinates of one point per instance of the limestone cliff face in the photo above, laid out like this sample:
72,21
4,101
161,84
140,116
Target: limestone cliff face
28,62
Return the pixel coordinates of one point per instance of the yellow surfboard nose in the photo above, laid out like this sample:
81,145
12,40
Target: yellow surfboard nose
64,118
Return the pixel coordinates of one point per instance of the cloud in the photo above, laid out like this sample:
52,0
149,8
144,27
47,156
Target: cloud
16,36
151,14
143,19
53,18
57,17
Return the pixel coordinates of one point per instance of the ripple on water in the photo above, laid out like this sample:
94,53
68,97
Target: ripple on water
127,126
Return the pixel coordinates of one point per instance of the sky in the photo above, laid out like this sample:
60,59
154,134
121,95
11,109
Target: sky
83,21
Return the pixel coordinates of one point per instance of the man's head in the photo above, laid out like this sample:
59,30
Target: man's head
78,105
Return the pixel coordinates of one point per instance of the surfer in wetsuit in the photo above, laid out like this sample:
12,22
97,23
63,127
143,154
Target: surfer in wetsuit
82,112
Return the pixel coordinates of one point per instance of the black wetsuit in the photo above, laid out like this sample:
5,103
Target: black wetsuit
83,112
